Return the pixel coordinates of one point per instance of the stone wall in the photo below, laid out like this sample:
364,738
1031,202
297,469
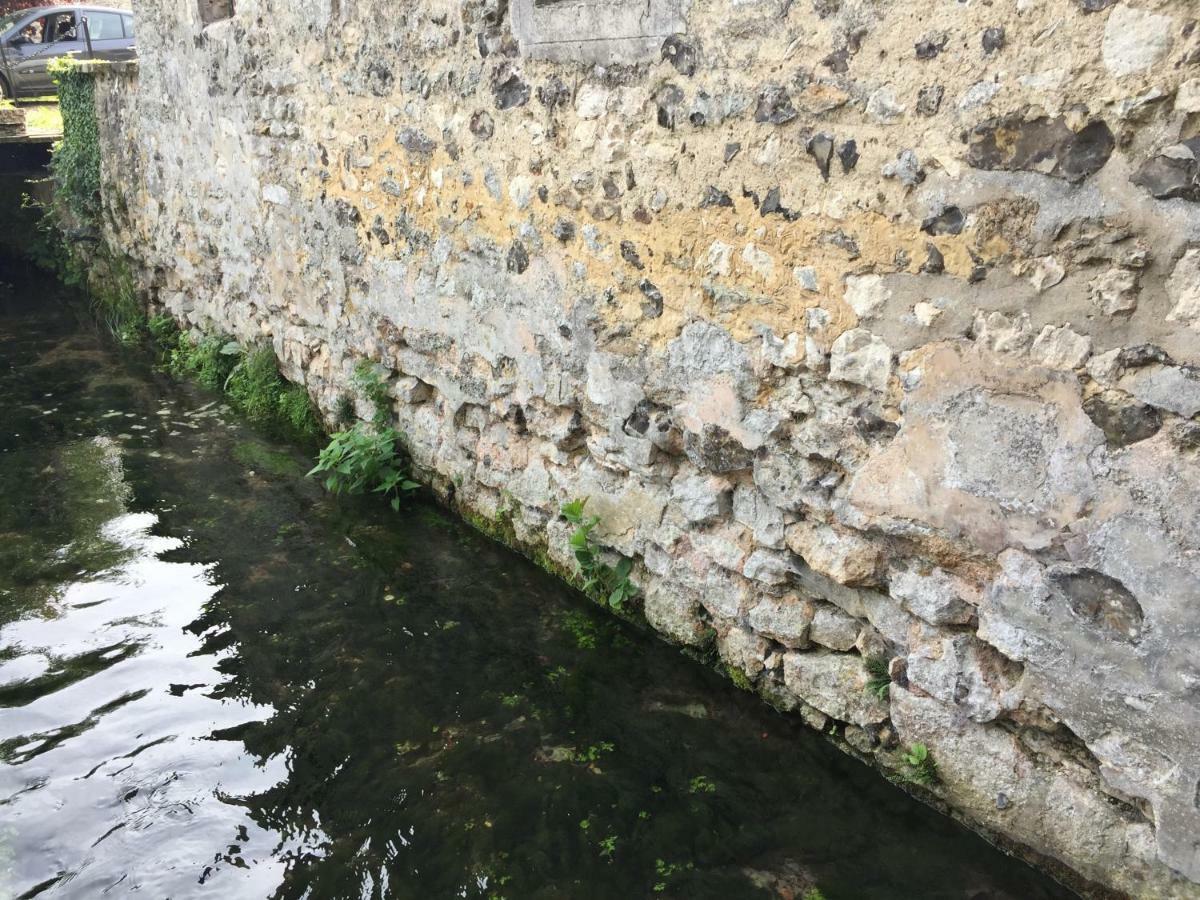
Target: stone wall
869,327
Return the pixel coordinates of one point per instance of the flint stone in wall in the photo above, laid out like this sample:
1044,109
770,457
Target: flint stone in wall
860,357
935,595
1173,173
714,448
835,683
701,498
674,612
1135,40
980,765
1123,420
1049,146
833,628
1183,288
1072,624
837,553
1172,388
785,619
963,672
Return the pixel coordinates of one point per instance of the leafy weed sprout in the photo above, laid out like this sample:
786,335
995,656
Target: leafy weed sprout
880,682
610,584
921,767
358,461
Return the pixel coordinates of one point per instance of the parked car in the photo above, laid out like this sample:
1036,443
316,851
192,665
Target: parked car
31,38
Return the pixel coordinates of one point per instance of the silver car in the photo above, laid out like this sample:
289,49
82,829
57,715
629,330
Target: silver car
31,38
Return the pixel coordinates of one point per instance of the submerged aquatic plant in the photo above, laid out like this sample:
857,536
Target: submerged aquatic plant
359,460
609,584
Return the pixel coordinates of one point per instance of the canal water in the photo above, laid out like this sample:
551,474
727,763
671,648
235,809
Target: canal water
216,680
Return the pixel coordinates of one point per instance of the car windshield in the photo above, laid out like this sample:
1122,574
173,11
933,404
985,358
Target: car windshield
7,22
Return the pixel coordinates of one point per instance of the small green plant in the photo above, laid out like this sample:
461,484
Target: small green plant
360,460
701,784
593,753
608,846
921,767
368,378
813,894
880,681
582,628
164,329
255,385
665,870
208,360
607,583
296,413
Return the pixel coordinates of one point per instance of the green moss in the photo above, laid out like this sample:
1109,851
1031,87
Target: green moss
739,678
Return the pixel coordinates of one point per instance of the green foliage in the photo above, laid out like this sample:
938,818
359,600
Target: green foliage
593,753
255,385
164,330
250,379
608,584
360,460
608,846
880,682
114,298
209,360
296,413
76,160
45,246
813,894
665,870
921,767
369,379
701,784
582,628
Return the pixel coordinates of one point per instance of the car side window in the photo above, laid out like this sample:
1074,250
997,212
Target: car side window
59,27
105,26
34,31
127,21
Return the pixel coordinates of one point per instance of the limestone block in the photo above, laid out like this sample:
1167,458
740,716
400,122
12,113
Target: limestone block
834,683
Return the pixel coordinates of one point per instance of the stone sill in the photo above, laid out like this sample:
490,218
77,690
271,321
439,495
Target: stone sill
101,67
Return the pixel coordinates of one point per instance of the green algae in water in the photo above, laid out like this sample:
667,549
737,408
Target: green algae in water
262,457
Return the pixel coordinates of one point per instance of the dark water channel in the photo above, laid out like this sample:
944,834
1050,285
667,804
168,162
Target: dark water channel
217,681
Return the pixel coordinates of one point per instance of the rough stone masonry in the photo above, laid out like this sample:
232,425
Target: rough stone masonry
871,329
